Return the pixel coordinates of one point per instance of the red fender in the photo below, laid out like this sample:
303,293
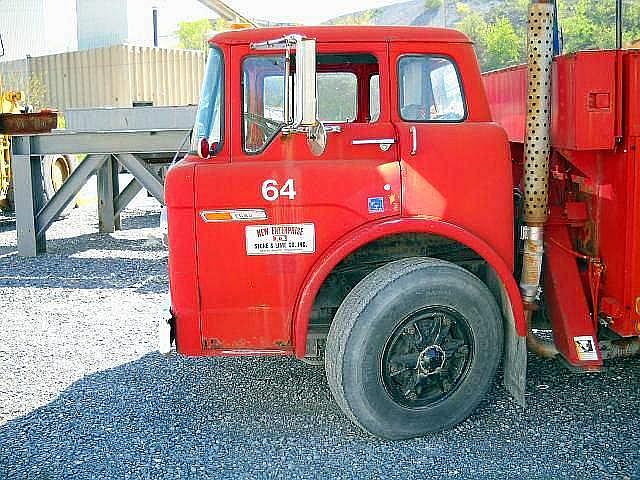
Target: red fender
370,232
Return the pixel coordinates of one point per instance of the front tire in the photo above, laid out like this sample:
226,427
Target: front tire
413,348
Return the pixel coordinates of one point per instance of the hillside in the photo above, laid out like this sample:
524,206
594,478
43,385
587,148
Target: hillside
415,12
497,27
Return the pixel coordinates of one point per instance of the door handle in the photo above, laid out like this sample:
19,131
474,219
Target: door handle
374,141
414,140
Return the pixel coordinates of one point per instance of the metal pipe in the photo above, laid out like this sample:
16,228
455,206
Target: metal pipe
618,24
536,151
532,254
628,347
537,145
287,87
444,14
155,26
541,347
27,105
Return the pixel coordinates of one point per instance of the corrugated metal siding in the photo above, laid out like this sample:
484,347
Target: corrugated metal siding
114,76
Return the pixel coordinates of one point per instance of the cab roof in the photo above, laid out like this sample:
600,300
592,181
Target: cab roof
344,34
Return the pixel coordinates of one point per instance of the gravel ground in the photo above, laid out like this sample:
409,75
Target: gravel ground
84,394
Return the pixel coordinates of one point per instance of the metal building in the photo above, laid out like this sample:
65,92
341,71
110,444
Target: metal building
44,27
37,27
118,76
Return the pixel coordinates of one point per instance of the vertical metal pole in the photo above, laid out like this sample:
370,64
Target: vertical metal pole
537,144
108,221
115,182
29,196
155,26
287,72
28,80
537,149
618,24
444,13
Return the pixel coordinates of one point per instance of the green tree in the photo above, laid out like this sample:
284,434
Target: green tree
515,10
474,25
432,4
588,24
221,25
499,33
503,45
194,35
497,42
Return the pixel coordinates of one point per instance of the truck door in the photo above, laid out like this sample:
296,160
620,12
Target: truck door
455,161
251,270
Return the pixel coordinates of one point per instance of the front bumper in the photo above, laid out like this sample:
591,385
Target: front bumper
166,334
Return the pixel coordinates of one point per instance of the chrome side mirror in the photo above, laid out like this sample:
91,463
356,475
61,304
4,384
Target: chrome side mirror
306,104
304,98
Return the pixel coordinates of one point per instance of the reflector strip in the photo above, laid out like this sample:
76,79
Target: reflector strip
236,215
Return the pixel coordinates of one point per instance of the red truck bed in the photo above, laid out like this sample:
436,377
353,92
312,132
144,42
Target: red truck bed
595,134
587,99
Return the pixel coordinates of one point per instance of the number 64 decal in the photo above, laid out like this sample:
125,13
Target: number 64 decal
271,192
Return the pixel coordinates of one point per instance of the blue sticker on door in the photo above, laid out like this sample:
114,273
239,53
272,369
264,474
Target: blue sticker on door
376,204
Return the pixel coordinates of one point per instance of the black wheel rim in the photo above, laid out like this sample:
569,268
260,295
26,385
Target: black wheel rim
427,357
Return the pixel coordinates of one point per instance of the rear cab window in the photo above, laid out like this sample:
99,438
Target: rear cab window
337,97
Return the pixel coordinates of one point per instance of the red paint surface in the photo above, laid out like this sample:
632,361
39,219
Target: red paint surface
343,34
183,274
458,185
584,100
595,132
567,302
370,232
507,95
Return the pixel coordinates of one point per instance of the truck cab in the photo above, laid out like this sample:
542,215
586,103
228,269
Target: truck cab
348,197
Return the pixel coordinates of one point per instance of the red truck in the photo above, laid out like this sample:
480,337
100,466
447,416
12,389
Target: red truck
353,196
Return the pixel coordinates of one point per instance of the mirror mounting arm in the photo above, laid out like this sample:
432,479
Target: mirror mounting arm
300,110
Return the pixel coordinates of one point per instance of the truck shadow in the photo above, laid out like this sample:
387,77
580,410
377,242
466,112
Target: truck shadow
271,417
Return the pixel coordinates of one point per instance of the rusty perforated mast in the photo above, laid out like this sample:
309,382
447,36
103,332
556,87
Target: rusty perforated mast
536,152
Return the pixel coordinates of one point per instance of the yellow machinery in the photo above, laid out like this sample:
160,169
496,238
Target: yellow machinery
9,103
55,168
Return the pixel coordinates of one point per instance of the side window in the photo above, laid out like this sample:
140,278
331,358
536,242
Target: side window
263,100
348,91
337,96
430,90
273,98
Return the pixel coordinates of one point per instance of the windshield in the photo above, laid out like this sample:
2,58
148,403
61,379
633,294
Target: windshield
208,124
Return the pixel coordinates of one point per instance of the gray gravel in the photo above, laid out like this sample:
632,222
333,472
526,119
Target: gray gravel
84,394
